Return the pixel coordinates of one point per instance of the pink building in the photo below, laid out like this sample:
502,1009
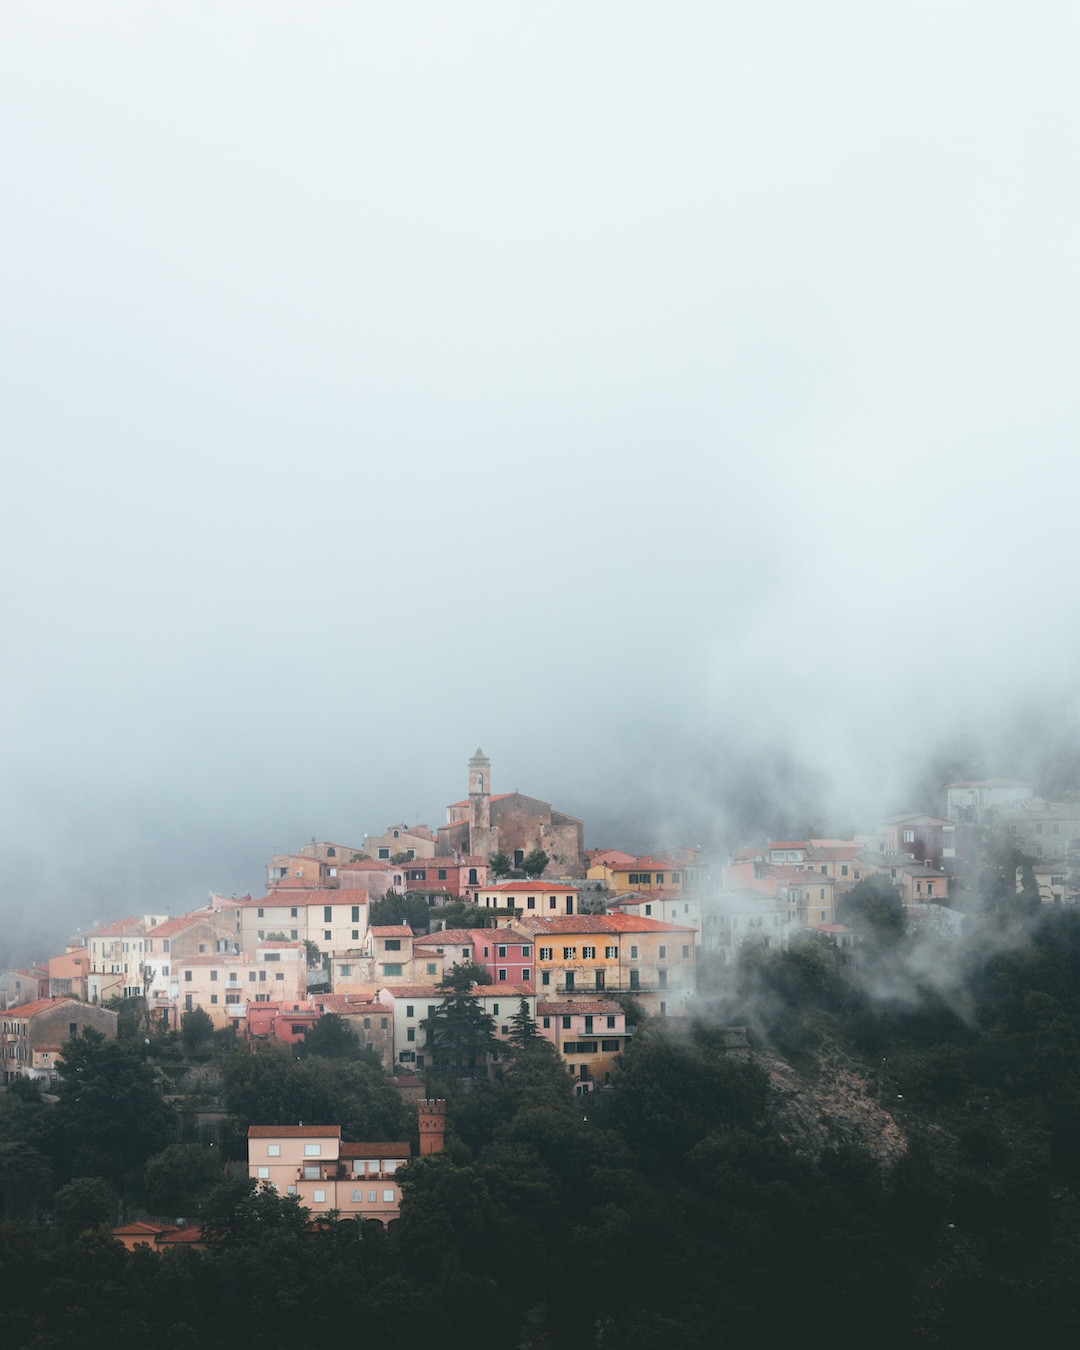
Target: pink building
460,878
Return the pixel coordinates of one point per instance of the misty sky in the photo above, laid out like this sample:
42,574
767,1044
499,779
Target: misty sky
622,388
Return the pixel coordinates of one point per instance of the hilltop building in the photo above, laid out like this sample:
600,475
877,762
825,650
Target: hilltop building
509,822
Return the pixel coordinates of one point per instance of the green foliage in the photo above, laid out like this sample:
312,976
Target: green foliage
25,1180
273,1088
86,1202
196,1029
463,976
461,1034
873,908
394,909
314,955
331,1038
109,1118
500,864
523,1029
175,1179
535,862
461,915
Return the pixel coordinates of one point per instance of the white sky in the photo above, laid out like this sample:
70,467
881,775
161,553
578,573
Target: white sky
594,382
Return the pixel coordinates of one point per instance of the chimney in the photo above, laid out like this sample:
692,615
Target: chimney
432,1113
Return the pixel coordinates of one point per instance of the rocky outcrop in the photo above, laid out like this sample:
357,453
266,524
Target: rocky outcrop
832,1106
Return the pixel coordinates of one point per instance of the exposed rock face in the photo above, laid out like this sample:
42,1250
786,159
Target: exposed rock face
836,1108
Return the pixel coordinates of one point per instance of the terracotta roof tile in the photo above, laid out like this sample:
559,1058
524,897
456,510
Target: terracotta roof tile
396,1150
294,1131
390,930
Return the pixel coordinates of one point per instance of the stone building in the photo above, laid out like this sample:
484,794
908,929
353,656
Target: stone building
512,823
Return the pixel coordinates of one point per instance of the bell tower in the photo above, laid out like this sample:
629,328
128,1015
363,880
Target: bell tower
481,836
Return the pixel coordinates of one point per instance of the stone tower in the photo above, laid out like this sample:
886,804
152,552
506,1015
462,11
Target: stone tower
432,1115
482,838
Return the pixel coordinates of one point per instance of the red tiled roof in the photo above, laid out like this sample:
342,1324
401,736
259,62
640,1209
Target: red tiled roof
344,1006
450,937
36,1006
274,943
294,1131
631,923
179,924
505,988
368,865
413,991
494,797
537,887
389,930
396,1150
310,897
601,923
564,1009
144,1229
191,1234
117,929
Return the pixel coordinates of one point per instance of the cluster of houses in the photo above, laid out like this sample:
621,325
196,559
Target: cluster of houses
594,926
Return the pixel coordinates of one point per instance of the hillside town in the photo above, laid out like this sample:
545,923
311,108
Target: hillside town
564,931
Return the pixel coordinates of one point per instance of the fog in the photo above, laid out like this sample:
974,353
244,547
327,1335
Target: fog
676,402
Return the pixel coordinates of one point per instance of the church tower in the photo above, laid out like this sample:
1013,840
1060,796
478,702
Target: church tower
482,838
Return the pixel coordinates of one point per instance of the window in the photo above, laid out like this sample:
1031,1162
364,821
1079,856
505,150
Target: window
545,953
232,998
635,979
259,914
531,902
280,975
663,978
588,953
442,874
569,981
290,1190
213,975
344,971
685,953
328,913
663,953
388,1197
502,975
612,953
393,944
524,974
569,953
263,1172
633,953
501,952
355,934
328,936
292,912
373,1197
648,909
357,1197
566,1023
251,975
382,1023
609,1046
545,977
213,998
187,975
495,1009
409,1010
312,1150
319,1197
356,913
431,967
262,974
611,1022
547,1021
410,1035
909,836
551,902
384,854
273,1150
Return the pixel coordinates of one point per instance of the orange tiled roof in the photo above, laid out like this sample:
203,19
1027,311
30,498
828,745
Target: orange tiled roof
413,991
309,897
537,887
117,929
37,1005
389,930
294,1131
178,924
564,1009
396,1150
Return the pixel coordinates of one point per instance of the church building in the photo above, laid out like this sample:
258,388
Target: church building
485,823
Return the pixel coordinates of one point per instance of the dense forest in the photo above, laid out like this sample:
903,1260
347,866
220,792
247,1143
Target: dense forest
675,1209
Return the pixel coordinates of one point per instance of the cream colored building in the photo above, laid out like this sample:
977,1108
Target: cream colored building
223,985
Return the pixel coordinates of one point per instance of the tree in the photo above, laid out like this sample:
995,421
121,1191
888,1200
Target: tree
331,1038
314,956
535,862
174,1179
463,976
462,1034
395,909
86,1202
499,864
523,1029
196,1028
462,915
109,1117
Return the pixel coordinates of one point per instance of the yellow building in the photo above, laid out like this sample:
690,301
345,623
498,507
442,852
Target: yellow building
642,874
